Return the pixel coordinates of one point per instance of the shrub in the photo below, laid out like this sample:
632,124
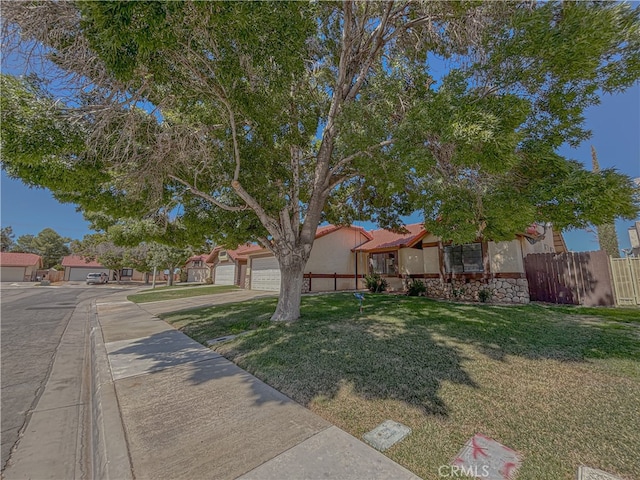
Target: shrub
458,292
375,283
208,281
484,295
416,287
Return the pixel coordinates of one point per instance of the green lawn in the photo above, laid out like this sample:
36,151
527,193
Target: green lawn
561,385
178,292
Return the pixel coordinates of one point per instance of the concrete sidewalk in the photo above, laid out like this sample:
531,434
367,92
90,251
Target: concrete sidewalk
188,413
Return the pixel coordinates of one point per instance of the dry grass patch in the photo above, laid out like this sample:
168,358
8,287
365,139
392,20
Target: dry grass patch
560,389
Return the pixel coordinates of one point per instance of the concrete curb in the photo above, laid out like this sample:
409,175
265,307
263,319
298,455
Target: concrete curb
109,451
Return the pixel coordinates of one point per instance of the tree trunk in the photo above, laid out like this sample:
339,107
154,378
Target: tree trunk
291,280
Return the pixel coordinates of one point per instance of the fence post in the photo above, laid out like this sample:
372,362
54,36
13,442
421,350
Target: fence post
635,277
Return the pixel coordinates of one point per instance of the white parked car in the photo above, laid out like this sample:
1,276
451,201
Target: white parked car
97,278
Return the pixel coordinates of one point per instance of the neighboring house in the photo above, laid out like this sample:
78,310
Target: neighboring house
229,266
197,269
19,267
331,265
137,276
458,271
77,267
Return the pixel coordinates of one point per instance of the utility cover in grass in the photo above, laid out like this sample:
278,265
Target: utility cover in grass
483,457
588,473
387,434
220,340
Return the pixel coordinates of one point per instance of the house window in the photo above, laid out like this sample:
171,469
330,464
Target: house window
463,258
126,272
383,263
197,263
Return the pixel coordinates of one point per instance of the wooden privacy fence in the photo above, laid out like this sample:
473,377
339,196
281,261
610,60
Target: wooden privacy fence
626,280
578,278
51,275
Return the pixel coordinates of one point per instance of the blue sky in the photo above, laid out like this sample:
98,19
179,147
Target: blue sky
615,125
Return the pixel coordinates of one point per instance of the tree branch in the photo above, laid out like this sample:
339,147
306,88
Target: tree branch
351,157
208,197
270,223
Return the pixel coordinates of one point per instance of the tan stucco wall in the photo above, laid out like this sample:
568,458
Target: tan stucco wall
430,238
332,253
31,271
395,284
431,259
506,257
410,261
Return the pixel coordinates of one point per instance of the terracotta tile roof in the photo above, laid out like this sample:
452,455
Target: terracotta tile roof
79,261
386,239
239,253
243,250
202,256
251,248
327,229
14,259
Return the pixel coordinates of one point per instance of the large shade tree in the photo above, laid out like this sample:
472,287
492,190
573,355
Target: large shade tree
7,239
261,120
48,244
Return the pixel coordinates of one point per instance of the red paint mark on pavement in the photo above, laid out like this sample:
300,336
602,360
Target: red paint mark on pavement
507,469
477,449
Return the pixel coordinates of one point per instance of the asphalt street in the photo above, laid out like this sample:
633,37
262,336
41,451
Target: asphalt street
33,321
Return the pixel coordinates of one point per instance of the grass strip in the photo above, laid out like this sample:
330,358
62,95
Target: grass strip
561,388
173,294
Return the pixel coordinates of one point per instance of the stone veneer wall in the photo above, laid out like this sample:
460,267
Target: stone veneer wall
503,290
306,288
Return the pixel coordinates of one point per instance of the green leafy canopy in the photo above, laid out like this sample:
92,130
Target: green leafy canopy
259,120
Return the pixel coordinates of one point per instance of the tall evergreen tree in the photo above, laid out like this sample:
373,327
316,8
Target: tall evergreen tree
7,239
607,236
49,244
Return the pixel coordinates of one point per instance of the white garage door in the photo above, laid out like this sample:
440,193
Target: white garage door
265,274
225,274
79,274
197,274
12,274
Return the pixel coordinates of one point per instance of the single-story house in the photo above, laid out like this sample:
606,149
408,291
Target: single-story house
197,269
137,276
229,266
458,271
19,267
331,266
77,267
